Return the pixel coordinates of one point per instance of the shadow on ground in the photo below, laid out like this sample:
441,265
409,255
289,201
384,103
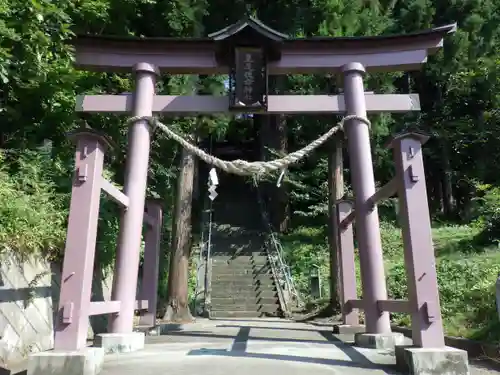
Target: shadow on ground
239,346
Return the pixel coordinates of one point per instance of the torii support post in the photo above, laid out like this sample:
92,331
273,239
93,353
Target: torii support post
129,240
70,351
151,267
347,267
335,192
429,353
420,262
79,254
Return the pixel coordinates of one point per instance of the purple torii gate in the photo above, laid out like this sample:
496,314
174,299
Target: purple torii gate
248,51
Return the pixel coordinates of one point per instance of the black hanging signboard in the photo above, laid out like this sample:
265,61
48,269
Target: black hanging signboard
250,77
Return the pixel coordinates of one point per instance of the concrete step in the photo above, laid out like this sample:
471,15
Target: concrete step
238,286
220,271
235,285
232,258
240,264
240,267
229,225
238,270
248,282
237,300
238,242
243,279
238,314
261,308
246,292
234,251
237,232
264,278
240,275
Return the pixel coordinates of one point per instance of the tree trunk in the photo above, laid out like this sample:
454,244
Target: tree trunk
335,192
274,144
447,183
281,202
177,308
435,187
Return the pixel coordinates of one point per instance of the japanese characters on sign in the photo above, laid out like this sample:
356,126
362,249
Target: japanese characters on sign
249,76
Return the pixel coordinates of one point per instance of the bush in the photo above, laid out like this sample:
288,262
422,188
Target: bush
392,240
32,213
304,248
466,275
467,292
487,213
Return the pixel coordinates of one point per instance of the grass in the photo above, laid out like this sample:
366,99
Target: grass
467,273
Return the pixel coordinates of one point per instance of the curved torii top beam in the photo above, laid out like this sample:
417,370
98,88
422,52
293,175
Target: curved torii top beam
293,55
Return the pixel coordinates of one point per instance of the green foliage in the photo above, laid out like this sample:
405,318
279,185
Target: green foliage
488,215
34,209
305,248
466,276
467,292
32,213
392,241
466,285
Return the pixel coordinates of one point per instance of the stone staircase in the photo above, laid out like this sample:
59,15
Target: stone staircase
242,283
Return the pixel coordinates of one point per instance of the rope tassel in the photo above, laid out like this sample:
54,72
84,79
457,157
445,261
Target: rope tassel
242,167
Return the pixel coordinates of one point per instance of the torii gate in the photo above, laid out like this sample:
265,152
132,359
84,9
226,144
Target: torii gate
248,51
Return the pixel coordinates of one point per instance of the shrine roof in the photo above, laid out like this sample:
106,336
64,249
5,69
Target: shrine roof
284,54
248,23
258,27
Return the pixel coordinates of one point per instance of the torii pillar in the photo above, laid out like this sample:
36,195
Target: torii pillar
363,183
129,239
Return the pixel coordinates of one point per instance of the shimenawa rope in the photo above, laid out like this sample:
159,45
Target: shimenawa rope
242,167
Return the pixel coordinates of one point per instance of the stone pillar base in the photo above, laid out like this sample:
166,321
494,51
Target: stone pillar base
427,361
148,330
120,342
346,329
87,361
379,340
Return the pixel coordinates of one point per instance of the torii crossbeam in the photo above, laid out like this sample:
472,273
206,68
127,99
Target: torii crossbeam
286,104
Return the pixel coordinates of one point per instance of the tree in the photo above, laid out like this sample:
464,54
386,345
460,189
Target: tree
177,308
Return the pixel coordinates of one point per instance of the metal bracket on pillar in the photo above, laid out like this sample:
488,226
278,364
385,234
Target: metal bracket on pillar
411,153
431,312
67,312
413,176
82,173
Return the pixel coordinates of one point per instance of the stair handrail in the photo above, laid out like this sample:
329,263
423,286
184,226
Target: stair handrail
277,256
204,259
208,269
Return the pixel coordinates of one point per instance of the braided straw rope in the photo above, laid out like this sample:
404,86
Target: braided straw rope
242,167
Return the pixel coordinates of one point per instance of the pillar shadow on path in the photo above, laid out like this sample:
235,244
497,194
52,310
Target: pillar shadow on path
280,328
239,347
241,339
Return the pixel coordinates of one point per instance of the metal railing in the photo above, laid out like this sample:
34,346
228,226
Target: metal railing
284,281
204,271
